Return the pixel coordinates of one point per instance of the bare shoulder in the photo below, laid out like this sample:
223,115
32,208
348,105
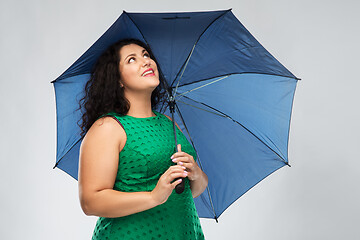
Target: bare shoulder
99,156
171,120
106,130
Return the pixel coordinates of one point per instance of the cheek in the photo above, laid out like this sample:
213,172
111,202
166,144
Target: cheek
155,66
128,73
154,63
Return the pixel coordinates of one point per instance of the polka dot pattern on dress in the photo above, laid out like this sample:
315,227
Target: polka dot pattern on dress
144,158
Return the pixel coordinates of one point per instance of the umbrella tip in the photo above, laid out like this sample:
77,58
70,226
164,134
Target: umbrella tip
288,164
216,219
56,165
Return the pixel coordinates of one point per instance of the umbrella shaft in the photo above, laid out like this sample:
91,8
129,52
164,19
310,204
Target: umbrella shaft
181,186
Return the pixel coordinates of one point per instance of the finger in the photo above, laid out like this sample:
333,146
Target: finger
173,176
176,183
179,147
178,154
183,159
174,169
179,168
189,166
179,159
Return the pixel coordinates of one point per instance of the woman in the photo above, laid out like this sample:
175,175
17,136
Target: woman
128,167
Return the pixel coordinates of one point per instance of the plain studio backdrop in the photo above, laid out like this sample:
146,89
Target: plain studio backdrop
317,198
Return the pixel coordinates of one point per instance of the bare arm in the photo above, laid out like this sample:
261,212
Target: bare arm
198,186
99,156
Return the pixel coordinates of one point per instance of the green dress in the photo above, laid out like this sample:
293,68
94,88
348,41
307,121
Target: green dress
144,158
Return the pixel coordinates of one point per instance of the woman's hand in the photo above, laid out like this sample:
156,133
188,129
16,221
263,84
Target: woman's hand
164,186
186,160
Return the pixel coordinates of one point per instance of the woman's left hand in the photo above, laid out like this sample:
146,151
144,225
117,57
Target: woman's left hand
186,160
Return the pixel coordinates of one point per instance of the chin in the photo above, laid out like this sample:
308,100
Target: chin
153,84
157,82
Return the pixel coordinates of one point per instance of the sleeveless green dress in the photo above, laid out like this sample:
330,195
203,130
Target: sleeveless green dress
144,158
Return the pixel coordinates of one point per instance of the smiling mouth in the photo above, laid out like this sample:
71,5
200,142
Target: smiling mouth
149,72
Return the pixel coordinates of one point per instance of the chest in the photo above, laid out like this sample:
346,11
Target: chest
148,148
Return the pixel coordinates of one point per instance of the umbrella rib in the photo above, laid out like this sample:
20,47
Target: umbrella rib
221,115
201,36
224,114
203,86
187,61
229,74
137,27
57,163
198,157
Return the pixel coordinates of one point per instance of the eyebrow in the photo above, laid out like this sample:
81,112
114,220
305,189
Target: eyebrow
134,54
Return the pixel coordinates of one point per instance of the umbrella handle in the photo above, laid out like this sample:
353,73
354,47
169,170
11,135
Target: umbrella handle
180,187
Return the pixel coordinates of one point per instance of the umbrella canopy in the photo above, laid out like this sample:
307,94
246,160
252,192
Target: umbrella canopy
233,98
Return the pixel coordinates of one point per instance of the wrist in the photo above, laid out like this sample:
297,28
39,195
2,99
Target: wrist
198,175
153,199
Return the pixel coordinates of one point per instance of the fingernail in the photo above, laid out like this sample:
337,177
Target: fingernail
185,172
180,163
183,167
172,157
174,160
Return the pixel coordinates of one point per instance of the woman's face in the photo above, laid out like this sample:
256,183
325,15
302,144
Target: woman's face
138,71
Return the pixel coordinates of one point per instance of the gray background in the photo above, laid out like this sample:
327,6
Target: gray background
317,198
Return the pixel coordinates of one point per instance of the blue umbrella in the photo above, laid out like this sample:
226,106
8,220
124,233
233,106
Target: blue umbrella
233,99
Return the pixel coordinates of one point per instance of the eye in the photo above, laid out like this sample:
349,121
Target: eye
147,55
132,58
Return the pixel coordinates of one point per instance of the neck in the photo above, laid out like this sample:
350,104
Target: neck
140,105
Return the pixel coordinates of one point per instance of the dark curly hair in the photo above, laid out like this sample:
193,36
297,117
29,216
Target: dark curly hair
103,93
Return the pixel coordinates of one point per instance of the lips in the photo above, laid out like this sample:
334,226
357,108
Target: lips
148,72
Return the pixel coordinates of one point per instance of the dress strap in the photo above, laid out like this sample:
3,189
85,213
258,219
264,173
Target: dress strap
117,121
110,115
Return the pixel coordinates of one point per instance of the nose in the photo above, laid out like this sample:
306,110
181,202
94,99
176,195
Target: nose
146,62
